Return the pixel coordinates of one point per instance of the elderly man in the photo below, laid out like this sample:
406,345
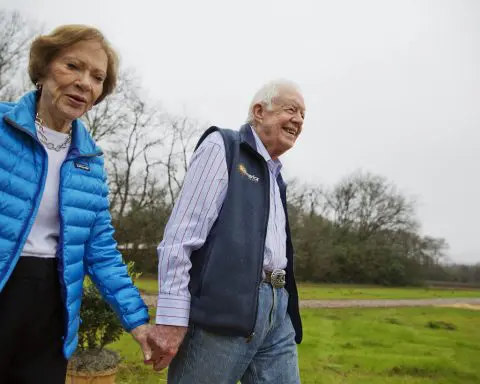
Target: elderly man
227,300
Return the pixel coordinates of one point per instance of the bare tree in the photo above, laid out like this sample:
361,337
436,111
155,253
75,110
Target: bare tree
309,198
15,35
180,137
370,204
434,249
147,163
132,159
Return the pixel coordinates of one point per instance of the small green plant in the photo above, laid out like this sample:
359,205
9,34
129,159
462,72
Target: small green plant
393,320
99,327
441,325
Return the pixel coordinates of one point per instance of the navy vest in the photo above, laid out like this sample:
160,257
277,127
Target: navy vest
227,270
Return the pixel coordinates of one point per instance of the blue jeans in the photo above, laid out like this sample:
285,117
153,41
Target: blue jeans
270,357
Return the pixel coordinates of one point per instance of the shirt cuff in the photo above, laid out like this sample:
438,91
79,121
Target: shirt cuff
173,310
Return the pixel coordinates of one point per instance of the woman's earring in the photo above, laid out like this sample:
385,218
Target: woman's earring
39,86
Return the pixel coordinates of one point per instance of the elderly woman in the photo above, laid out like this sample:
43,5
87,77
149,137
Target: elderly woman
55,224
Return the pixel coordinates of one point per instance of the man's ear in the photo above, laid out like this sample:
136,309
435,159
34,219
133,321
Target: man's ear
258,112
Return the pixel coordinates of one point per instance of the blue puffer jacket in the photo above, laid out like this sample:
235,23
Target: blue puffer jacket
86,242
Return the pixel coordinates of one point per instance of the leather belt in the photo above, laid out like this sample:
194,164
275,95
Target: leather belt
276,278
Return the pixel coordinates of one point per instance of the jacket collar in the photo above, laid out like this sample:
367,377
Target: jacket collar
246,136
22,115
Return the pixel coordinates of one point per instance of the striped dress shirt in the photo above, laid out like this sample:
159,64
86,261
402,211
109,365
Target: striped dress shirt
198,205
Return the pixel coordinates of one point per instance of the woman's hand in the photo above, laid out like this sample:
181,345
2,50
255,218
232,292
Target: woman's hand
140,334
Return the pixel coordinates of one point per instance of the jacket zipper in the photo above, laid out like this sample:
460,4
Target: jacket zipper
61,237
251,333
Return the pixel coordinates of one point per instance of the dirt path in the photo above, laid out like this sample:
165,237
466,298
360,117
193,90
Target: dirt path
151,300
379,303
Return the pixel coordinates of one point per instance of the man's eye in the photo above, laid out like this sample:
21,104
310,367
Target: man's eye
71,66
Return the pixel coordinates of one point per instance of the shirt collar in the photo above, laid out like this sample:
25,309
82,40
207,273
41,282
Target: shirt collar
274,165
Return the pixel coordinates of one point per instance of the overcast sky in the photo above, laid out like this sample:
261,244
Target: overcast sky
392,87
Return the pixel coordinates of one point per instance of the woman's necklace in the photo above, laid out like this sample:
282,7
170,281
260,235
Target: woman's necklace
43,137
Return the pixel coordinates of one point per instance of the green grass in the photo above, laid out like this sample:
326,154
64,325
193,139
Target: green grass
390,346
374,346
326,292
147,285
332,291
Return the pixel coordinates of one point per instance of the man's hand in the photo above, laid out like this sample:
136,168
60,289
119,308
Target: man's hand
140,334
164,341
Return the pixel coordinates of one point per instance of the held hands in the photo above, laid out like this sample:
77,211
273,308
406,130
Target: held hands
159,343
164,340
140,334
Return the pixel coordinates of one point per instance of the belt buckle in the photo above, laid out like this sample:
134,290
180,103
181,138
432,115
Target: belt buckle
277,278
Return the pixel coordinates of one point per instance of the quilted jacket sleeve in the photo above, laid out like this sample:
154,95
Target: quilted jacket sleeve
109,273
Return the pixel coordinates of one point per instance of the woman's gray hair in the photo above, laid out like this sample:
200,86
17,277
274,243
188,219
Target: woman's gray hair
267,93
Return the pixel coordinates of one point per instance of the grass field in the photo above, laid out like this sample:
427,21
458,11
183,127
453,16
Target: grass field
332,291
374,346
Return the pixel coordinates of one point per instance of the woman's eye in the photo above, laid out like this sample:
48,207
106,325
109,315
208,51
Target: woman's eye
71,66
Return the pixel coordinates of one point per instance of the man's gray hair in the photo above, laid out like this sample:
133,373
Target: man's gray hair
267,93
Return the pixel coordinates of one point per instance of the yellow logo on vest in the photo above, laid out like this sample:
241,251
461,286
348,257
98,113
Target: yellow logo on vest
243,170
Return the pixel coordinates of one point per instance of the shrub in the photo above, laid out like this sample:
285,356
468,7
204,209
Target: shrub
99,327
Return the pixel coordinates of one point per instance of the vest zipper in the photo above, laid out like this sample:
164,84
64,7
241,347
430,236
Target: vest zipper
259,274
